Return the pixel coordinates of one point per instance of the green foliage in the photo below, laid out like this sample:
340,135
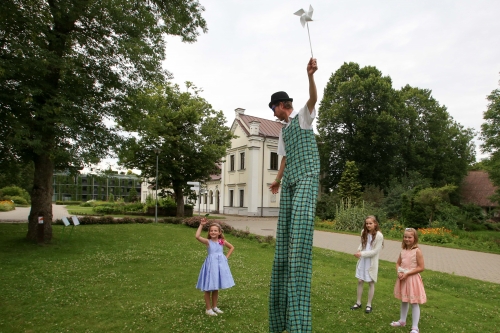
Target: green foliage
431,197
373,195
111,197
9,192
69,202
326,205
17,200
16,173
67,67
490,134
398,188
351,217
191,136
132,195
388,133
349,188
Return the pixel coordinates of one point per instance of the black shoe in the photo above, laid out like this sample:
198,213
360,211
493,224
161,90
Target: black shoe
368,309
356,306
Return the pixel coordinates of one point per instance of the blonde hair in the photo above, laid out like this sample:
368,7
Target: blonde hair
415,240
215,224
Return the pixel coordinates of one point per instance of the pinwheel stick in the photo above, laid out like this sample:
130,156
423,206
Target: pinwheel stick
309,39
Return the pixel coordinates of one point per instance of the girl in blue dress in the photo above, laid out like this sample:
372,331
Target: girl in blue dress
215,273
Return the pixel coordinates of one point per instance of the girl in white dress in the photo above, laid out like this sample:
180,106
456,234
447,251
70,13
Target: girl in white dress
368,252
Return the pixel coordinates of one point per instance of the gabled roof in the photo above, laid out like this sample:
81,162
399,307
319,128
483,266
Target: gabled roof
268,128
477,188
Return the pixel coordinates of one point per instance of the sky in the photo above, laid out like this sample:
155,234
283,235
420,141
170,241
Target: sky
255,48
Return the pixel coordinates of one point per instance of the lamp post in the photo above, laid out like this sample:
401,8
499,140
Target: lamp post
157,151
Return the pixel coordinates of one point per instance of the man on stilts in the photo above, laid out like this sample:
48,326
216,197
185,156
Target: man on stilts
290,294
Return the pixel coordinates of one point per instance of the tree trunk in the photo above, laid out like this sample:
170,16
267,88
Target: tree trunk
179,200
41,201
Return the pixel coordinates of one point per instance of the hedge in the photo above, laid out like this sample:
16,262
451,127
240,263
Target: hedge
72,203
192,222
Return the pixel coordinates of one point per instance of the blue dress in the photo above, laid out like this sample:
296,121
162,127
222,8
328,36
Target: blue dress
215,273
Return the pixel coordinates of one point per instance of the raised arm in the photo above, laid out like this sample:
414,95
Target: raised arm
198,232
312,67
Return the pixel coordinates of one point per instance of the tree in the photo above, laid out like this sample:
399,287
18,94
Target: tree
132,195
357,122
490,134
431,197
67,70
349,187
191,136
433,144
388,133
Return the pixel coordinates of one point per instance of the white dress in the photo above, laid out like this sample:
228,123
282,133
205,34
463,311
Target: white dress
364,263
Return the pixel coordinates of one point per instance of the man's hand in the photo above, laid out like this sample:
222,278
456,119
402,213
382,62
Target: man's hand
275,186
312,66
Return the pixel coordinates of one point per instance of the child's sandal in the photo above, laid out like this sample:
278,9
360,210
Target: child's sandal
368,309
414,330
356,306
398,323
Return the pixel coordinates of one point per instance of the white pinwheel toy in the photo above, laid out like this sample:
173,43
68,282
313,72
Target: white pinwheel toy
306,17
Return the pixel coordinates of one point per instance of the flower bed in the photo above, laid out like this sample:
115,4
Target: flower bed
6,205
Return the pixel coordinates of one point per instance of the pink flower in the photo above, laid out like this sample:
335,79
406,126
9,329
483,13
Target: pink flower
221,241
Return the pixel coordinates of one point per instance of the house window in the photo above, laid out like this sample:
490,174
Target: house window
211,197
231,197
206,200
242,197
242,161
231,163
274,161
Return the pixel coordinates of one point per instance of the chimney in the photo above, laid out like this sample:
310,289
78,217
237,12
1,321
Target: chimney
254,127
238,111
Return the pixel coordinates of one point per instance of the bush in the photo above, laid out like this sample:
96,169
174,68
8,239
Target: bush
133,207
325,208
68,203
18,200
6,205
436,235
350,217
15,191
448,217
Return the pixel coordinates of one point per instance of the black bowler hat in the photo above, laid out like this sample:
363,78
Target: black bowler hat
279,96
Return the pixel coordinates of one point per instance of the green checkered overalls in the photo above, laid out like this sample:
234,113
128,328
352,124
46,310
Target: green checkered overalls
289,299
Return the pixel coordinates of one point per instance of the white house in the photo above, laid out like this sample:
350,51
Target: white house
251,165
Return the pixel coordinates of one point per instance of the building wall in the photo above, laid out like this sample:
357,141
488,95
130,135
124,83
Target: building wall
94,187
251,182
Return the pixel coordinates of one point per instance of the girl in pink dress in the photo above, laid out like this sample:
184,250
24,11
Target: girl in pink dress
409,287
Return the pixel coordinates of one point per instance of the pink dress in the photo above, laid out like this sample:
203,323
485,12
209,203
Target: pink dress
410,289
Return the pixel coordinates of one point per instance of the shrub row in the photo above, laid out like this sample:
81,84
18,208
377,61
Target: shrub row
72,203
192,222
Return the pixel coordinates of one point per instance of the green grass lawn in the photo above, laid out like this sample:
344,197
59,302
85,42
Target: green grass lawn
141,278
